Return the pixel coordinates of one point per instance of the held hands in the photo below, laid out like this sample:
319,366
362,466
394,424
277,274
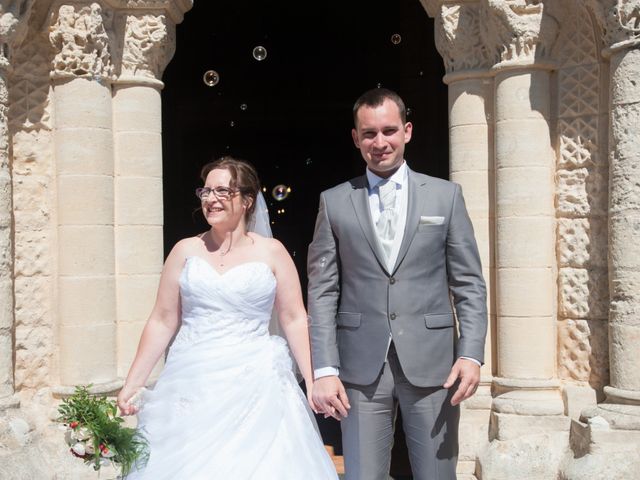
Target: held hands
469,374
127,400
330,397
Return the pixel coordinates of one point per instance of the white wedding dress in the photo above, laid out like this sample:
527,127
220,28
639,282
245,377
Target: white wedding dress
227,405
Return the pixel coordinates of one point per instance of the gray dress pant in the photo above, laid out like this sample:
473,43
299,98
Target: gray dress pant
429,420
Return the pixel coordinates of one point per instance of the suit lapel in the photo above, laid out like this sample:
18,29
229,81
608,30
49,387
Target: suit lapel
360,201
415,200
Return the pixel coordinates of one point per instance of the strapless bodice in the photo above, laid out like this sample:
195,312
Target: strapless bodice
225,308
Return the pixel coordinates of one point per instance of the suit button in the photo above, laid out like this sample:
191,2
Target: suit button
393,316
392,280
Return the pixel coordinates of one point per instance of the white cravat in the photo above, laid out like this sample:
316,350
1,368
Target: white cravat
386,224
400,180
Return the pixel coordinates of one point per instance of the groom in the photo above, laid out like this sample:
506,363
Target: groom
392,254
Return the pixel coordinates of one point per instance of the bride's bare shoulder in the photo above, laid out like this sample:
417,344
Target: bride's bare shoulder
187,246
265,243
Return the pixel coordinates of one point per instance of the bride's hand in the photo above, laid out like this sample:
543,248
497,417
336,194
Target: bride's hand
314,407
126,399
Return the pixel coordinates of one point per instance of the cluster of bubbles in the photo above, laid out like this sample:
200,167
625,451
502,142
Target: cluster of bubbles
280,192
211,78
243,107
396,38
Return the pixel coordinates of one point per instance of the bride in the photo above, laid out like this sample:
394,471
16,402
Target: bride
227,405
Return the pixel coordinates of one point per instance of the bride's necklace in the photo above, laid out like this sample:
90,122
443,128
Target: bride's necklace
223,253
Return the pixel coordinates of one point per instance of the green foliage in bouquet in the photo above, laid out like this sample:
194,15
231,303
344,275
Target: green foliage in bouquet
96,433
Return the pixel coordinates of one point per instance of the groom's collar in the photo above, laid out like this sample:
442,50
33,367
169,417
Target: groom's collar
399,176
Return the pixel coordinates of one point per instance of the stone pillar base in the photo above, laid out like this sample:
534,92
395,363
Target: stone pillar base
528,431
604,444
529,457
526,407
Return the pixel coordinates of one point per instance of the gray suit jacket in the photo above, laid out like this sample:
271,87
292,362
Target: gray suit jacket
355,303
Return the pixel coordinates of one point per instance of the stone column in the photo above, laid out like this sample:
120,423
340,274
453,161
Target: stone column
149,44
607,438
471,165
82,74
13,27
624,213
527,409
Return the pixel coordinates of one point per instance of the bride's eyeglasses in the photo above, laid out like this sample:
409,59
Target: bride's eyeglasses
221,193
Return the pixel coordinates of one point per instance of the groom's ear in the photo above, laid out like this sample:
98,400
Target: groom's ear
354,135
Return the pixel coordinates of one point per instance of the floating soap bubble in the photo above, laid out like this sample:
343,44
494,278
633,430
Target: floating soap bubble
243,107
409,111
379,85
211,78
396,38
421,73
308,161
232,123
280,192
259,53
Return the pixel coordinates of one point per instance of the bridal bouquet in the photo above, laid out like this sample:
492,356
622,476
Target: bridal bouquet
95,433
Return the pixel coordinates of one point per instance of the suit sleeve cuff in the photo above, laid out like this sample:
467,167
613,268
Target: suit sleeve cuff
325,372
473,360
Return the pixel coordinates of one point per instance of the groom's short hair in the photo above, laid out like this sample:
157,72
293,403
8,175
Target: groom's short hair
376,97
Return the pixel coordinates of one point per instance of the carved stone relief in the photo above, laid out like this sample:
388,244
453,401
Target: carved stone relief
619,20
149,44
456,37
80,38
581,206
518,31
30,106
33,199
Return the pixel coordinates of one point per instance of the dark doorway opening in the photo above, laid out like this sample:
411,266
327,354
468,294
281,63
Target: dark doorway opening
290,113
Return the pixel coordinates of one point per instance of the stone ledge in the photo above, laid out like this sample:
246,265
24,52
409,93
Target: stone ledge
608,416
108,388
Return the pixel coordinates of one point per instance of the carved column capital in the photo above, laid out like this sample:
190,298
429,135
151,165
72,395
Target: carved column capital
519,32
457,37
79,36
146,33
149,44
619,22
14,17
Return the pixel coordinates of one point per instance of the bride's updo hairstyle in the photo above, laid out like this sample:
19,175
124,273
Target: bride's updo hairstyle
243,177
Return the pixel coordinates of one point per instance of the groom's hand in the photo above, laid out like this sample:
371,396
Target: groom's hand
469,374
330,397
